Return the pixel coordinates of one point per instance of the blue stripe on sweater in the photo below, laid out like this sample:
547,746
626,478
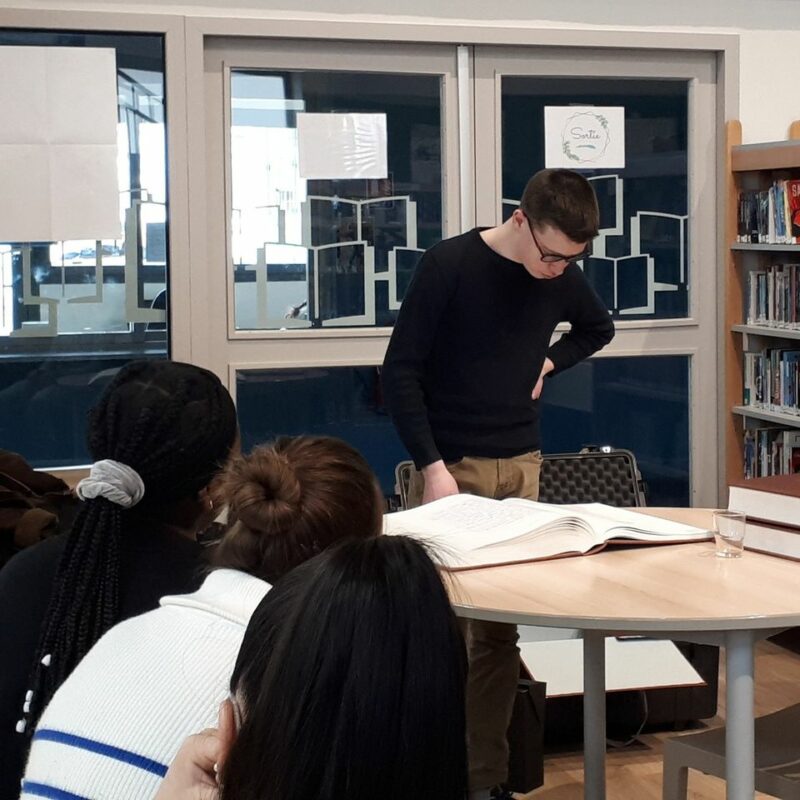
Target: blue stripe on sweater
102,749
42,790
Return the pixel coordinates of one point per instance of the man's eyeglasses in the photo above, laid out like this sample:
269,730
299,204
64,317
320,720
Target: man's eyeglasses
553,258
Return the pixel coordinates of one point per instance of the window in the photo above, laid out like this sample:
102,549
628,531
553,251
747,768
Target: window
326,401
634,403
73,312
339,252
639,263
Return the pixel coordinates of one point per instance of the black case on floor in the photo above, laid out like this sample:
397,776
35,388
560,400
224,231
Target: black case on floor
595,475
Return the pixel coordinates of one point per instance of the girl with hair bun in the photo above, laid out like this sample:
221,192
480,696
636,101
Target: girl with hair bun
290,500
118,720
158,435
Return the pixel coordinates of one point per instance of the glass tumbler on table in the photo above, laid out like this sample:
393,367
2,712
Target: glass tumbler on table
729,527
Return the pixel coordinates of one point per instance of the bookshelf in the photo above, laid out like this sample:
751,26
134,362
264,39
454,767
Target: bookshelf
751,167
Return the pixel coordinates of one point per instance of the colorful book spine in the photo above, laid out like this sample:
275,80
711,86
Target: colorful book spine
770,216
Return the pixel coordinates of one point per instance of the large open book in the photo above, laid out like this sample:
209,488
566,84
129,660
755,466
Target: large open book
466,531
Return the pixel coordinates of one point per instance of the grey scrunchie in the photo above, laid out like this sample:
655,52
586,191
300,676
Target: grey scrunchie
117,483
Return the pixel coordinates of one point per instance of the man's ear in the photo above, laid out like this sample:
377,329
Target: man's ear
226,727
520,220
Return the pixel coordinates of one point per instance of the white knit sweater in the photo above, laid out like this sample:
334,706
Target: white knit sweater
114,726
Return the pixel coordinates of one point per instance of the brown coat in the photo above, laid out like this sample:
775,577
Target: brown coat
33,505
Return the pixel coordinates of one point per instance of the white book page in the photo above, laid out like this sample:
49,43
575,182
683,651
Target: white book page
546,544
466,530
610,522
476,521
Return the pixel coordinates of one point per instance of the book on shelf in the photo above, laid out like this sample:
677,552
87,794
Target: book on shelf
770,451
790,452
465,531
773,296
771,379
774,499
793,208
749,446
770,216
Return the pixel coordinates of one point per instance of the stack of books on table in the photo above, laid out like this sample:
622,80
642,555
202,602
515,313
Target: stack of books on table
772,506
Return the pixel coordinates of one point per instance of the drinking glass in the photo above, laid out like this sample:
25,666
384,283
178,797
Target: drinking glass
729,529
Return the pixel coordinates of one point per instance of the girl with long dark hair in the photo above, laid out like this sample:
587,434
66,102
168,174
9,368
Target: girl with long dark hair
349,685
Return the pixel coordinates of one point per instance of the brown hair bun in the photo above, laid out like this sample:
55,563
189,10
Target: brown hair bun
262,491
290,499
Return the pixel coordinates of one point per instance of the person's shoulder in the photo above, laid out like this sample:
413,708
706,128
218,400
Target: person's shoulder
448,256
34,565
155,562
573,275
455,245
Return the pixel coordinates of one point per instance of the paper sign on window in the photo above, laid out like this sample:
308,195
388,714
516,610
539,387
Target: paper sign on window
584,137
334,146
58,144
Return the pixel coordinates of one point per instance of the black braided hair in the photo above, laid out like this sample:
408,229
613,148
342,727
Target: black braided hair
174,424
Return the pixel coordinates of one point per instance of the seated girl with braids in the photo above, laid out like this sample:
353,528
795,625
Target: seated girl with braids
158,435
349,685
117,722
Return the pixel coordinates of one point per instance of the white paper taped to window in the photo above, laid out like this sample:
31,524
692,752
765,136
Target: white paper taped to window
336,146
58,144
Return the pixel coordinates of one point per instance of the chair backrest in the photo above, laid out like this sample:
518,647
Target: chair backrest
594,475
402,477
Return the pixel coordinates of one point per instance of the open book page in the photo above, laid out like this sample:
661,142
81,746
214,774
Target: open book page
468,531
465,530
609,522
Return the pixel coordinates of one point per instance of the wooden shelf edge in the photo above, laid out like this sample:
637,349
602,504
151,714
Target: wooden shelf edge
732,285
789,420
770,155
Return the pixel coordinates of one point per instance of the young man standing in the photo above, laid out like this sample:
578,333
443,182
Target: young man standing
462,379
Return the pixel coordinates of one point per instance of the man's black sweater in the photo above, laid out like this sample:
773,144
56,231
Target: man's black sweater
469,345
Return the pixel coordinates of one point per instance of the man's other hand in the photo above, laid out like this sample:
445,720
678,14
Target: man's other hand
547,367
438,482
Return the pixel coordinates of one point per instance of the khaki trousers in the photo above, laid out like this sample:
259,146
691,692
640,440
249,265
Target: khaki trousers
491,646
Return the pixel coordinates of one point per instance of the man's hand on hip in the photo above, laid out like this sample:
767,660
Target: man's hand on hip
547,367
438,482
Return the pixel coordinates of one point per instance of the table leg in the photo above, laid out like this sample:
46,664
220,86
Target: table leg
739,724
594,716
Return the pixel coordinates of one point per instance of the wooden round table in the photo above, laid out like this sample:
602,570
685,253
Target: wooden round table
682,592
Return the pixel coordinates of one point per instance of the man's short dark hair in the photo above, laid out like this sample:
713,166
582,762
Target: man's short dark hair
564,200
